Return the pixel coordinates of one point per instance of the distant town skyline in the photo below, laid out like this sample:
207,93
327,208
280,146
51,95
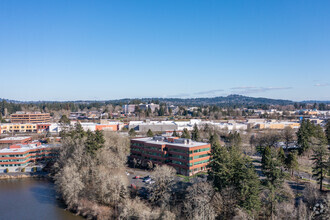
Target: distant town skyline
104,50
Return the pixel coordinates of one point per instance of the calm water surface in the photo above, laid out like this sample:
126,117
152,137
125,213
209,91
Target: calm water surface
31,199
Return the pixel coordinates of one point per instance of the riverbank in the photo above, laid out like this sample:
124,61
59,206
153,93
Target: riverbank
4,176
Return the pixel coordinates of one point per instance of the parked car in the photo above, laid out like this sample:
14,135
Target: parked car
146,180
136,177
151,182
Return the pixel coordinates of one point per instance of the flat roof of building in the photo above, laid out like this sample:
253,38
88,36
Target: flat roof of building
11,124
185,142
29,113
24,148
14,138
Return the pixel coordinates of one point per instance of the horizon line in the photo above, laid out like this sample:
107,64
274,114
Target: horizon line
182,98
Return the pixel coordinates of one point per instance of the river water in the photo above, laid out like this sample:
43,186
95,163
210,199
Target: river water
25,199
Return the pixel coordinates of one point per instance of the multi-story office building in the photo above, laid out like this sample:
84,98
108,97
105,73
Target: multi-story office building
43,127
36,117
18,128
127,109
145,107
186,156
18,156
130,108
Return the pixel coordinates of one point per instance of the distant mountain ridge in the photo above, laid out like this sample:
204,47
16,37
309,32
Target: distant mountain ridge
224,101
230,100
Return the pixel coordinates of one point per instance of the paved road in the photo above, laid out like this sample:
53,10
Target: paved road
309,176
300,174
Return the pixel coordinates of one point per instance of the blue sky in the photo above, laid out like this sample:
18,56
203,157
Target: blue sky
98,50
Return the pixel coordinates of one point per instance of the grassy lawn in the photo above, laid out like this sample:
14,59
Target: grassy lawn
305,169
185,178
188,178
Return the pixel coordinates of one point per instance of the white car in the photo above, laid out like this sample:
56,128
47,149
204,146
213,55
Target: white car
147,180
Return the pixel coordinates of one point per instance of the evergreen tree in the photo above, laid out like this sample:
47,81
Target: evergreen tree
1,119
137,109
95,141
274,178
322,106
266,154
185,134
214,140
64,120
147,113
320,135
234,139
195,133
207,128
291,161
219,172
161,111
149,133
175,134
272,169
281,156
132,132
327,131
74,132
320,160
79,131
304,134
328,165
249,188
230,168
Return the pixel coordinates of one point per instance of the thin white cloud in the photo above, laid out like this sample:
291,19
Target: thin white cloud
209,92
235,90
180,95
321,84
254,89
206,93
244,87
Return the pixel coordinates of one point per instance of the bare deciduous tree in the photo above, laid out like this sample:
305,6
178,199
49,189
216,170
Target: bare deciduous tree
136,209
69,184
160,191
288,135
100,177
268,138
197,204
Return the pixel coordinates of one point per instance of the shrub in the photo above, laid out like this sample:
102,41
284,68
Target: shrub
34,169
23,170
6,170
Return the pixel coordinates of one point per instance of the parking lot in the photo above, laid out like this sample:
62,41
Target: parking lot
137,172
143,173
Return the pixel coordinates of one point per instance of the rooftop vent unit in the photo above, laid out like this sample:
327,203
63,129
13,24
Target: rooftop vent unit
158,138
